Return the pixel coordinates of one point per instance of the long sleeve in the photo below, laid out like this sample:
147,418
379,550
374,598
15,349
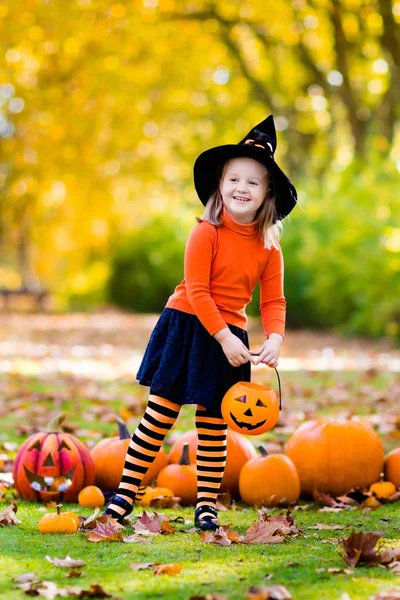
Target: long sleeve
198,259
272,299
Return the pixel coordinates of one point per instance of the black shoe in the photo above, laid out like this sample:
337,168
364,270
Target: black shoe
206,523
124,504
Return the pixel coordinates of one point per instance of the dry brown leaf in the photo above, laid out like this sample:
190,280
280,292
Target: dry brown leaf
106,532
147,525
324,499
171,569
167,528
95,591
218,537
389,555
269,592
158,568
336,571
73,573
360,547
224,501
136,538
165,502
90,522
7,516
269,529
66,562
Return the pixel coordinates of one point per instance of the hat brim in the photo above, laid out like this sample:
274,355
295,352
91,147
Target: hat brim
207,168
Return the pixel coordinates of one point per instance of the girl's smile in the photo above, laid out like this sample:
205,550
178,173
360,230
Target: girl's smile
243,188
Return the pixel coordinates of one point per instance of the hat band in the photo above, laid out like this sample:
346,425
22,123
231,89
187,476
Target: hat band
255,143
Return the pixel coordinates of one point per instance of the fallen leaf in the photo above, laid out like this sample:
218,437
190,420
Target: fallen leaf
26,577
218,537
7,516
336,571
269,529
158,568
95,591
359,547
389,555
106,532
324,499
66,562
167,528
165,502
171,569
136,538
269,592
73,573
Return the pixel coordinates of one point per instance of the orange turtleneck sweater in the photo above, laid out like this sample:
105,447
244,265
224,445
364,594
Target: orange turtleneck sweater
222,268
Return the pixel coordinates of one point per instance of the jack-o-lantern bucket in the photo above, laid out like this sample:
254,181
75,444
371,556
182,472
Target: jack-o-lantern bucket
251,408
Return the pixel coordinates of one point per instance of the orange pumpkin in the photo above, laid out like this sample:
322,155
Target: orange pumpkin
109,457
181,478
91,496
250,408
146,494
239,451
383,489
335,455
269,480
52,465
58,522
392,467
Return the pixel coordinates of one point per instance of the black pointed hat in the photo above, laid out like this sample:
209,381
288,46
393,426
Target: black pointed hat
259,144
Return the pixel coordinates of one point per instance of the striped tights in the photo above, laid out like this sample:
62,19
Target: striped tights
159,417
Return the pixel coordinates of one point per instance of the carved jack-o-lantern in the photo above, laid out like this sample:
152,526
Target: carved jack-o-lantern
250,408
52,465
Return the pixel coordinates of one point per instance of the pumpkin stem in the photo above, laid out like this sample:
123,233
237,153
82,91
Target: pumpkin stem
58,507
262,450
184,459
123,430
54,426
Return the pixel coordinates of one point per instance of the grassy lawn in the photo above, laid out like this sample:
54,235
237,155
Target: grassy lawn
297,563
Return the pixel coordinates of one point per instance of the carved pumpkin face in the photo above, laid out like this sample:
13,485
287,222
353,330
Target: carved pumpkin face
52,467
250,408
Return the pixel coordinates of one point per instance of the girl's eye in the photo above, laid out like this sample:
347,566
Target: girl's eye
232,179
253,183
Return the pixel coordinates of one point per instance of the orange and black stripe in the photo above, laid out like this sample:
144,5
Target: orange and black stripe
159,417
210,458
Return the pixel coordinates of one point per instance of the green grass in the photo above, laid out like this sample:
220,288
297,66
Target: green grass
206,568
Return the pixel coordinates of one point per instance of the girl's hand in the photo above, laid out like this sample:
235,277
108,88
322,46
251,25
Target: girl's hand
233,348
269,351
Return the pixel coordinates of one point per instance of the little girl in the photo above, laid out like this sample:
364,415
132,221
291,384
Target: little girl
199,347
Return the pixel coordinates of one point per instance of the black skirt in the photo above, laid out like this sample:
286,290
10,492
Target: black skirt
185,364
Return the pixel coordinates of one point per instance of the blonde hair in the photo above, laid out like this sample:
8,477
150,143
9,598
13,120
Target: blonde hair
269,228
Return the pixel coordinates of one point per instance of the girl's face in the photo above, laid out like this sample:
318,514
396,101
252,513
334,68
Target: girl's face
243,187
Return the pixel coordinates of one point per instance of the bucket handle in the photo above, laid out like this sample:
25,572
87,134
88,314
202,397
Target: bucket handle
279,380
